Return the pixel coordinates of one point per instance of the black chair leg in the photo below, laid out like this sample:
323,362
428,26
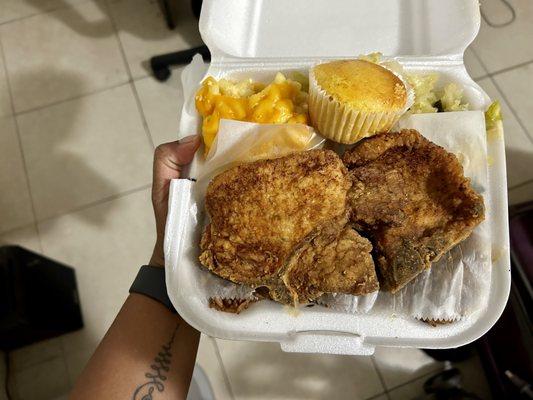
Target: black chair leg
161,64
168,15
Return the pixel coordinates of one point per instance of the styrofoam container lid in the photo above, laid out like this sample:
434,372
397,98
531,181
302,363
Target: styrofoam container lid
338,28
257,38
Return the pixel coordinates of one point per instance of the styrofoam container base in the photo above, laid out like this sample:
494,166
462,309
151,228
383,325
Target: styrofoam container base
256,40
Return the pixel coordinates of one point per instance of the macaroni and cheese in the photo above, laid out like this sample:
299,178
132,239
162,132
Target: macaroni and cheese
282,101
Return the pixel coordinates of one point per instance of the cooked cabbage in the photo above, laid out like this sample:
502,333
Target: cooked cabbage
427,98
451,98
423,86
391,64
372,57
301,79
493,115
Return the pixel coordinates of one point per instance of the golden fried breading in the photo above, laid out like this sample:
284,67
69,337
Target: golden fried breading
411,198
336,260
261,210
265,212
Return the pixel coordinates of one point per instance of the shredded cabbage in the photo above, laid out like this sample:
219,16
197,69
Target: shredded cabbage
372,57
451,98
390,64
423,86
493,115
427,98
301,79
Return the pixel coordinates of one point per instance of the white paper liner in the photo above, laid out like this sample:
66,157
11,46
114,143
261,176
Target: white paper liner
239,141
222,288
348,303
454,287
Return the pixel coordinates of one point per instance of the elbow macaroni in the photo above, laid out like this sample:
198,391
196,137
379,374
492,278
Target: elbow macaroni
282,101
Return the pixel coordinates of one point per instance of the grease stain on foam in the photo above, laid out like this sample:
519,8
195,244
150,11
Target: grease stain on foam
495,133
497,253
292,311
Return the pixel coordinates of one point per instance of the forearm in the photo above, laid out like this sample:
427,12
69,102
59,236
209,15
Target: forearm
148,349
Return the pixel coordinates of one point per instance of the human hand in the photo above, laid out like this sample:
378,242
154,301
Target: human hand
169,159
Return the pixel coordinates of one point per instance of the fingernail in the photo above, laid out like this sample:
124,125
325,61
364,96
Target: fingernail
188,139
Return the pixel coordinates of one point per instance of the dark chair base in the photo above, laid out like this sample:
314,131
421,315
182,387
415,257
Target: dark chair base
161,64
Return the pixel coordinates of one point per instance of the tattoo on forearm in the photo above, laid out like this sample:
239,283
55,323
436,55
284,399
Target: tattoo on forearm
158,372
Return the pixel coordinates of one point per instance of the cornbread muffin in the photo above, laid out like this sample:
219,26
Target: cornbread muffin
352,99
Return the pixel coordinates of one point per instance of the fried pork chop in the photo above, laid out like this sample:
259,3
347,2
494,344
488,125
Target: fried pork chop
410,197
282,224
334,260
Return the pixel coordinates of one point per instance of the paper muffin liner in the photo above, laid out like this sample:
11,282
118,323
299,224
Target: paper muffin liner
344,124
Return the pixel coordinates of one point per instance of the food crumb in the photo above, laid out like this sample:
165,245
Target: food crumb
436,322
234,306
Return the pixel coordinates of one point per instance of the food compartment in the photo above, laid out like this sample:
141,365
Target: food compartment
318,328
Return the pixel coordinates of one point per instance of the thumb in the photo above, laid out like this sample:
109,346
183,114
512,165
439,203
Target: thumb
169,159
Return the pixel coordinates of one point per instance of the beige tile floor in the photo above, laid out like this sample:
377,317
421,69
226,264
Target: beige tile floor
79,118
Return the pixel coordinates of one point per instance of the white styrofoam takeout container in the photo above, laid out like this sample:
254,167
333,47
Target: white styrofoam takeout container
258,38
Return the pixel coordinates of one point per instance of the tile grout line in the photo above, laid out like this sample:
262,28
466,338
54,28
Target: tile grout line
510,68
51,10
64,356
223,367
502,94
378,396
16,228
19,141
141,114
37,363
519,185
425,375
36,222
513,111
498,71
77,97
97,202
380,376
478,58
80,208
131,81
